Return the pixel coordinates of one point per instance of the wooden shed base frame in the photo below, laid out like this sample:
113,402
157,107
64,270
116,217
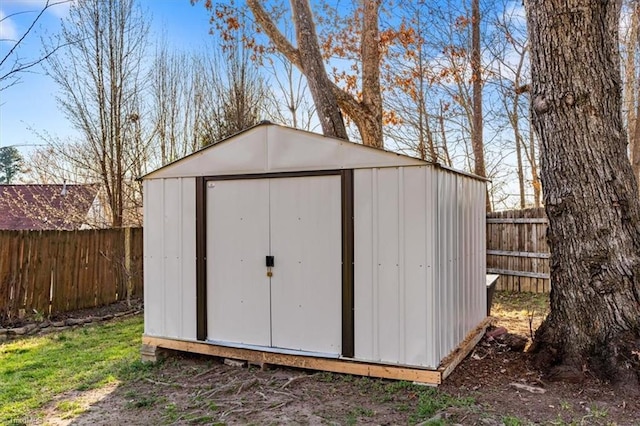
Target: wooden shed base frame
152,349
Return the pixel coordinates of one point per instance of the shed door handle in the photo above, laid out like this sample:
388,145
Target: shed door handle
270,261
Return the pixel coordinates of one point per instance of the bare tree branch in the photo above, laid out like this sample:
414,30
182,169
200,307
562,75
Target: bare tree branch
20,67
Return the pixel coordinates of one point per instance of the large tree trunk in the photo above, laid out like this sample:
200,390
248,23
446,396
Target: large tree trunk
590,193
313,68
477,142
371,127
366,114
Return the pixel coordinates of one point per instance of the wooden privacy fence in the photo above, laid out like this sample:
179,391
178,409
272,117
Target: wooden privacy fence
56,271
517,249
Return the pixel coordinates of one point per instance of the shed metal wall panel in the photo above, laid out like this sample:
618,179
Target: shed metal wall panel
365,340
479,252
153,247
446,215
461,294
387,283
419,244
306,287
172,259
394,265
169,257
238,290
188,256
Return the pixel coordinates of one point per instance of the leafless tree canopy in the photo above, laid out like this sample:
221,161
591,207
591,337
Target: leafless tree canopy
199,99
99,76
426,66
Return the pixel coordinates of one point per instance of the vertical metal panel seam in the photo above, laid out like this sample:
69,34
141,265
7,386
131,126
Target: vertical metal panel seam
145,251
429,262
181,254
436,275
478,276
455,266
462,265
446,216
468,241
163,257
401,265
451,276
470,280
444,256
428,344
374,264
482,252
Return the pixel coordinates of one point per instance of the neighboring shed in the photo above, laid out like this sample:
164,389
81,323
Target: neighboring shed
286,247
51,207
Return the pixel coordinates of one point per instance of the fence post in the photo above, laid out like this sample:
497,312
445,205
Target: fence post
127,263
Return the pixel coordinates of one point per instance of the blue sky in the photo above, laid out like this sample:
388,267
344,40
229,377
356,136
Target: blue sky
29,109
30,106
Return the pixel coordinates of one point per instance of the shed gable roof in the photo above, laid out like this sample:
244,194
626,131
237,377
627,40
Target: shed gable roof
270,148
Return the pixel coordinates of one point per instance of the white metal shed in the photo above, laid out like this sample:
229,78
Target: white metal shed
288,247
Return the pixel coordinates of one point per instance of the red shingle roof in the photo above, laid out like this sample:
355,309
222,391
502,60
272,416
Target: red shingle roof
40,207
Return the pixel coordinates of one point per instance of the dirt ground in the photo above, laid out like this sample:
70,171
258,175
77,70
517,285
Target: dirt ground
485,389
114,308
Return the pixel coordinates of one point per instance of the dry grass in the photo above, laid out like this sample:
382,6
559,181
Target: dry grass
520,313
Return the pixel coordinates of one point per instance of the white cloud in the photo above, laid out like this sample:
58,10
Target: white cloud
8,30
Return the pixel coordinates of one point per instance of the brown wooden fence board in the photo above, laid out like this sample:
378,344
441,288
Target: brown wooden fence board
137,259
57,271
517,249
56,299
83,290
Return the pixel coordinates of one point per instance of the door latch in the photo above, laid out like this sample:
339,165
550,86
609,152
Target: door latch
270,263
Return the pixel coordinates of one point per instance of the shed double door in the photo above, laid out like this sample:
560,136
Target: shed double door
297,220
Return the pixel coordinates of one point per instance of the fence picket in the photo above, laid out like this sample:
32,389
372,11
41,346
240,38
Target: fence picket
58,271
517,246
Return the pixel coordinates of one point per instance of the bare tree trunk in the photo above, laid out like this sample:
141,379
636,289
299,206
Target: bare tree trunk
371,95
535,177
476,75
366,114
313,67
426,128
443,135
591,197
519,160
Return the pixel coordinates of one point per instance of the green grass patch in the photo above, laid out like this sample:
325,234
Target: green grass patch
511,421
422,402
69,409
430,401
521,301
34,370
